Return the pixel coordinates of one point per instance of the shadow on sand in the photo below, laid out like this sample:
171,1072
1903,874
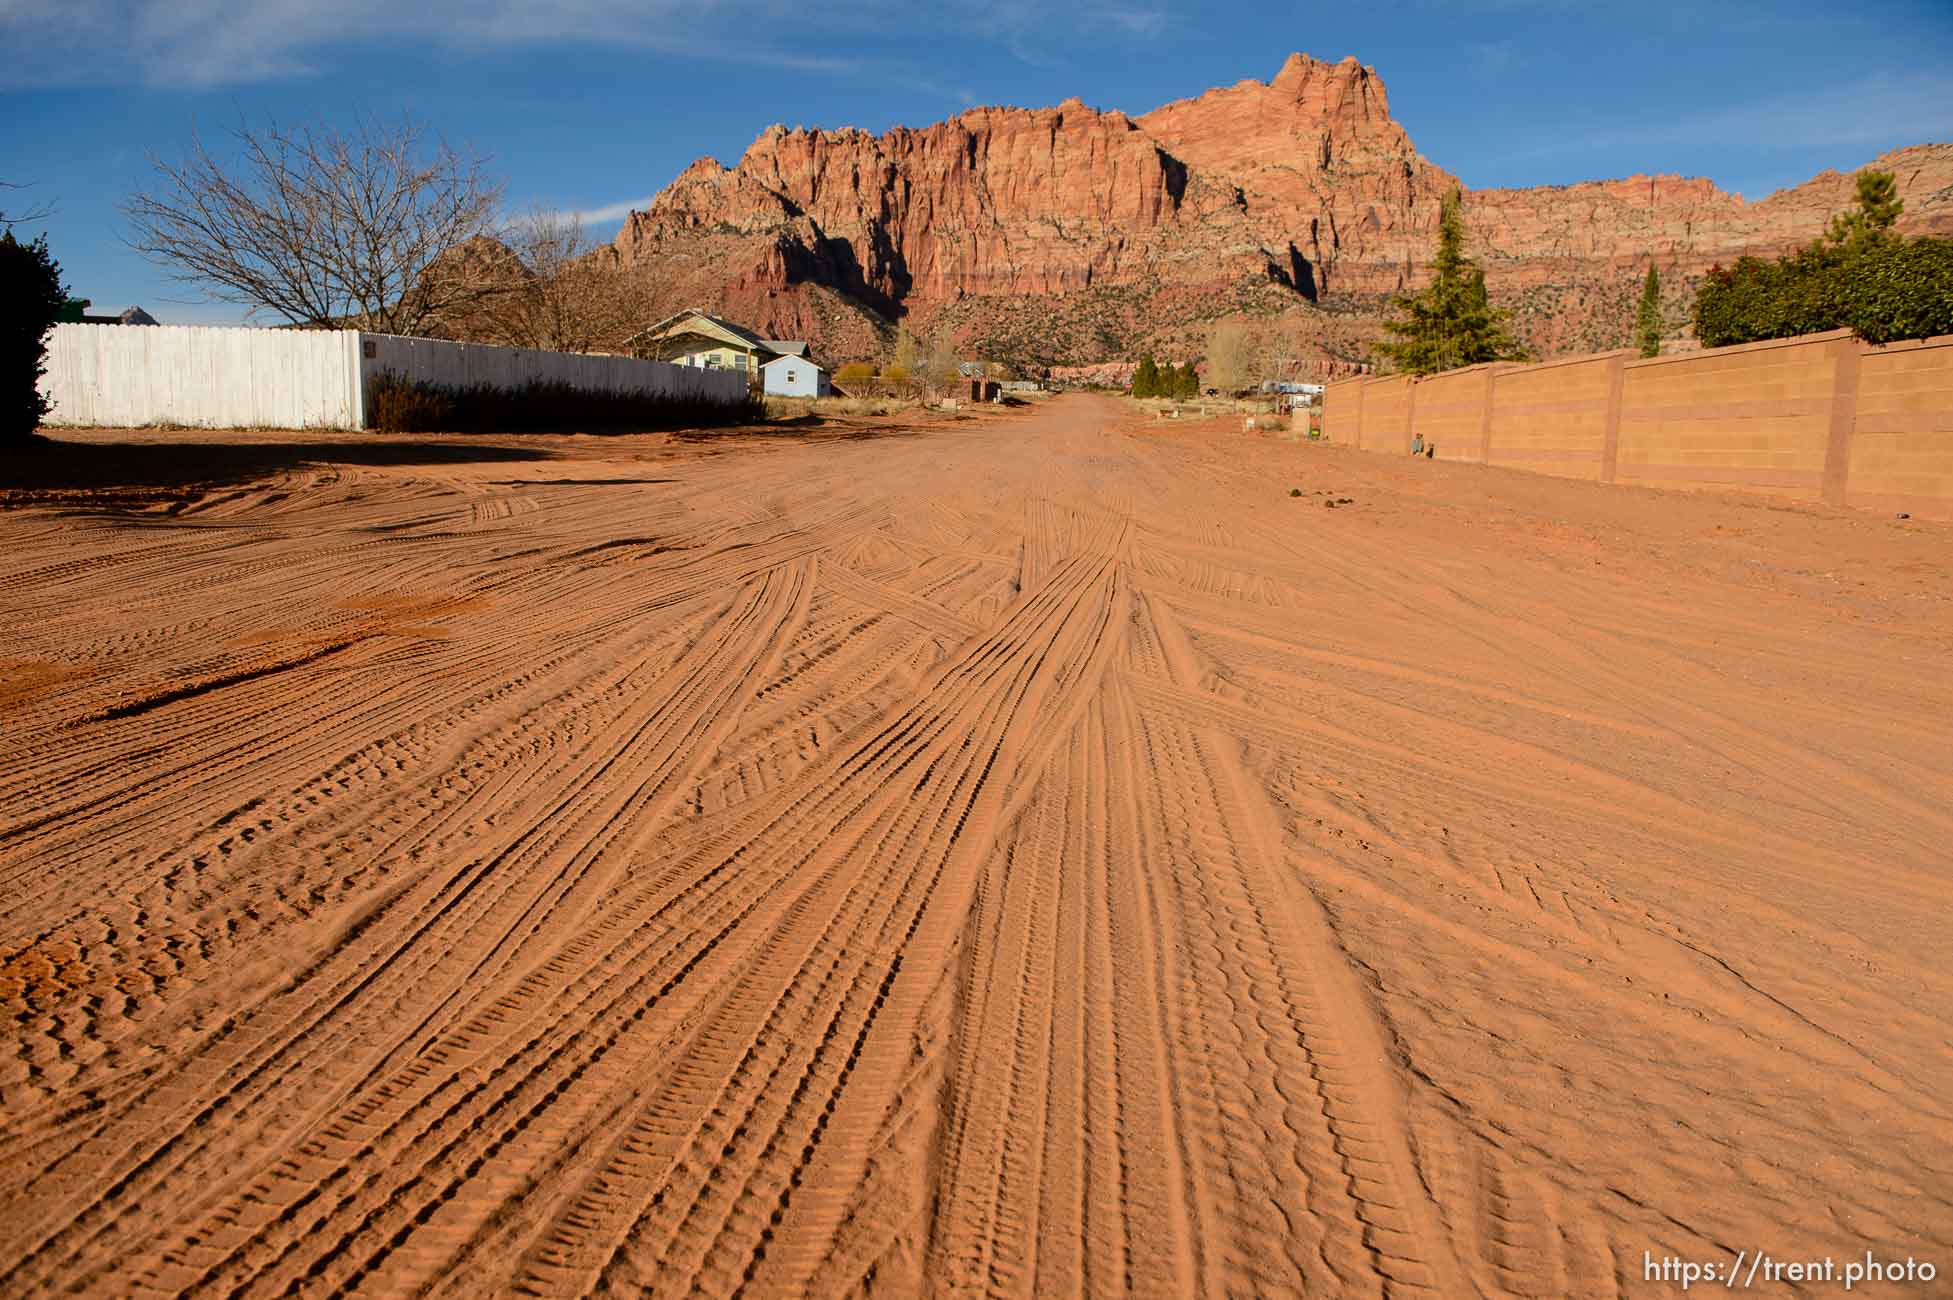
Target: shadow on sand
801,429
57,470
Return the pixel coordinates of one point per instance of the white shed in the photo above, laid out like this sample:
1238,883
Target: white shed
794,377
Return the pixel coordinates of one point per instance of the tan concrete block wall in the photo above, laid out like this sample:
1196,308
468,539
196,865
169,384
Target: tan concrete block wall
1342,405
1787,417
1755,417
1450,413
1552,418
1902,439
1386,414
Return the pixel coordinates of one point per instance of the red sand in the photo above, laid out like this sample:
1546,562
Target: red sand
1032,855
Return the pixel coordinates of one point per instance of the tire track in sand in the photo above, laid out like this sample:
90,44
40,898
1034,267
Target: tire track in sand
901,818
1281,993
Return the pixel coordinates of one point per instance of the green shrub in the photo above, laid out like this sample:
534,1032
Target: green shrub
1902,289
401,405
1756,300
31,299
1862,276
1882,291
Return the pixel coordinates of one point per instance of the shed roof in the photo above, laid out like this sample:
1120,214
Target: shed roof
786,347
803,360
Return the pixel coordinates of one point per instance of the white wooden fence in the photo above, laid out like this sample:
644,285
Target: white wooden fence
468,364
216,377
125,376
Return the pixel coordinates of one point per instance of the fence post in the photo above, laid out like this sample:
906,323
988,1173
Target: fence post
1844,417
356,377
1485,416
1610,442
1410,413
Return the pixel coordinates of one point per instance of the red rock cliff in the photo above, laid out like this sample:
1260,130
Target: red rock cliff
1109,229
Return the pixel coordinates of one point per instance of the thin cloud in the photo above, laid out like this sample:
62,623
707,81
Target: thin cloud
608,212
1130,21
200,44
1493,59
1870,116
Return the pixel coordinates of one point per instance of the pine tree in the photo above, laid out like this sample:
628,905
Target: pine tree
1647,321
1452,323
1877,212
1146,379
1186,382
31,298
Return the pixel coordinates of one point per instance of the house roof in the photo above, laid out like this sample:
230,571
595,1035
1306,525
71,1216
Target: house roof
803,360
695,321
127,316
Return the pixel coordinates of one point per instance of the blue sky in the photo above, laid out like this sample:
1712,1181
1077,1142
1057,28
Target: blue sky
591,105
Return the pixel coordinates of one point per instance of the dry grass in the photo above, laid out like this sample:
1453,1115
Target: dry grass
793,408
1207,408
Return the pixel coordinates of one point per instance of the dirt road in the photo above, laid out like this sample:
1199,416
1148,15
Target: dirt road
1032,855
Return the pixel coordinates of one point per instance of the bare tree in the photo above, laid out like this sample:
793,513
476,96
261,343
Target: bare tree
1236,356
323,227
941,363
905,372
40,213
1291,343
910,353
558,290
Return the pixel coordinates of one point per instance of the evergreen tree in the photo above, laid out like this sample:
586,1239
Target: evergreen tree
31,298
1877,212
1452,323
1146,379
1647,321
1186,383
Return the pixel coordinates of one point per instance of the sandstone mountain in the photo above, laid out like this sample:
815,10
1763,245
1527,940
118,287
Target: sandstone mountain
1068,235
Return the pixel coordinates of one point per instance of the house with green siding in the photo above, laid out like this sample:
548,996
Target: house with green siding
697,338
